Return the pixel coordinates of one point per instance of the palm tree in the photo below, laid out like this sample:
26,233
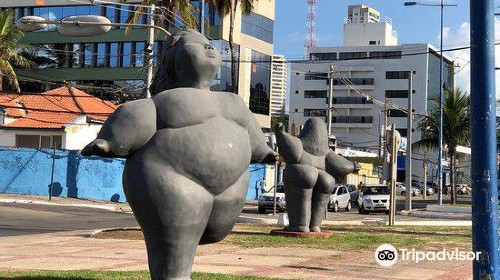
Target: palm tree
9,51
229,7
456,128
168,9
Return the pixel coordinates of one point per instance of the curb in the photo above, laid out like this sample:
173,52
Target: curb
449,223
79,205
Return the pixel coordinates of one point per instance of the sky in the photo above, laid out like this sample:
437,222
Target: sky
418,24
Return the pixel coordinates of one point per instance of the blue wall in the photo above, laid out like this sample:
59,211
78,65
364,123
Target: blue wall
28,171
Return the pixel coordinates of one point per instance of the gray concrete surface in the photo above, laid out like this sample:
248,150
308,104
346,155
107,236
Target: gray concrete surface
23,219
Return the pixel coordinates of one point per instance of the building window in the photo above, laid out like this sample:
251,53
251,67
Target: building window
385,55
397,75
402,131
323,56
351,100
395,113
314,112
352,119
258,26
38,141
315,94
355,81
372,42
223,80
352,55
396,94
316,76
260,82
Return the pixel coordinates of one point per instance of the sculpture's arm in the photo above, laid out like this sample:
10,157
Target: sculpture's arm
338,166
290,147
129,128
261,152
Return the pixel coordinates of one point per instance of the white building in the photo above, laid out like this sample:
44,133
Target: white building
278,84
379,71
364,28
66,118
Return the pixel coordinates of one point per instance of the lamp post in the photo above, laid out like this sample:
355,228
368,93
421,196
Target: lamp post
90,25
440,4
484,150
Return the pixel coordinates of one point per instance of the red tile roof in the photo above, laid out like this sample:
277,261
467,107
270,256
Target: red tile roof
53,109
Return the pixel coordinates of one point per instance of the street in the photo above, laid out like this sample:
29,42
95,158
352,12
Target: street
22,219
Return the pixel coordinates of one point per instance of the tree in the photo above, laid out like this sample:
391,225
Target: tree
168,10
10,47
230,7
456,128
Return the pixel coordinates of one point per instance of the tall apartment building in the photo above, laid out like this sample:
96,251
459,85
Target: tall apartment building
379,71
278,85
117,58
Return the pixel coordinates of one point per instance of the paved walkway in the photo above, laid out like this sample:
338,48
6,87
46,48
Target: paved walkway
75,250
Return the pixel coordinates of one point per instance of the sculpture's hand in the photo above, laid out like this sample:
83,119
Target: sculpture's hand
98,147
271,157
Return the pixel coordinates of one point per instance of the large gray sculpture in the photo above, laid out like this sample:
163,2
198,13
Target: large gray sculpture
310,173
188,150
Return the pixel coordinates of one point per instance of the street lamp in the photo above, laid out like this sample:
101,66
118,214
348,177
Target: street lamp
441,101
91,25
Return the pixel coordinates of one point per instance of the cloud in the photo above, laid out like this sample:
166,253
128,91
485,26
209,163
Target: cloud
461,37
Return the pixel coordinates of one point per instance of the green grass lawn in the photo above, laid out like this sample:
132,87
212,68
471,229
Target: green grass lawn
344,238
358,238
108,275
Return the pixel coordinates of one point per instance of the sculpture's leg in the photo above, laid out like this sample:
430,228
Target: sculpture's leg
320,198
173,212
299,182
226,210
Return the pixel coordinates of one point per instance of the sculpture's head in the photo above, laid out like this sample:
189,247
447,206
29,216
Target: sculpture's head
187,59
314,137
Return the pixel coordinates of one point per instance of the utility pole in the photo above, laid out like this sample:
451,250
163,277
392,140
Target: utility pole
330,103
441,101
484,149
426,154
150,51
202,17
393,167
276,180
408,142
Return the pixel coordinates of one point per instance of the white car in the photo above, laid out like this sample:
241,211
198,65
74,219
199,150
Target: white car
401,190
340,199
374,198
266,200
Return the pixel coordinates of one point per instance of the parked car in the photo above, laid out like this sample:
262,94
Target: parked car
374,198
463,189
266,200
401,190
353,192
420,186
340,199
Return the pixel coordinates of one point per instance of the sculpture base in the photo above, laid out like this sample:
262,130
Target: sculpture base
323,234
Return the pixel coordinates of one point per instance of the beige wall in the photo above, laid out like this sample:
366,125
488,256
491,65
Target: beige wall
79,134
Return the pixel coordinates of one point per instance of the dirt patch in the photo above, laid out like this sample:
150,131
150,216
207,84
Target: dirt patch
128,234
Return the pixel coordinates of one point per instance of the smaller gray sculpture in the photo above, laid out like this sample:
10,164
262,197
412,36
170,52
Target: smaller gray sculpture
310,174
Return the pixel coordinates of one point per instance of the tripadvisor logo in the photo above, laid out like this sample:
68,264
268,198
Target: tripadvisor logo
387,255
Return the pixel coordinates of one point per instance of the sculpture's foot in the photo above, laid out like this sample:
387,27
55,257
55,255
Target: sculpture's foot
315,229
297,229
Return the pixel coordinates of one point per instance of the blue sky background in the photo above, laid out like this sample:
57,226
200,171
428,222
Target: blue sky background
414,24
